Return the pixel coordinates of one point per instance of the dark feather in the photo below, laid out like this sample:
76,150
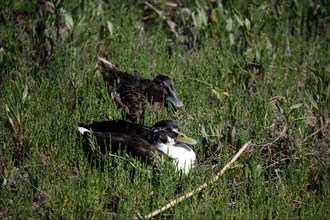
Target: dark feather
130,144
122,136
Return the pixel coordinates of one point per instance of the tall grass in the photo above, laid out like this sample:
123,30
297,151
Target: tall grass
257,71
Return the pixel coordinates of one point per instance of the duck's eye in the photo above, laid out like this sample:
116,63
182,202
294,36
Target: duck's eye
156,136
172,134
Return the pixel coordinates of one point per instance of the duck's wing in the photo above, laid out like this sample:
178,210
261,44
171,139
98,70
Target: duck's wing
135,146
111,73
130,96
116,126
114,142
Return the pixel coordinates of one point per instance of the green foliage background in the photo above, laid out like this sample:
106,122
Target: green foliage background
257,70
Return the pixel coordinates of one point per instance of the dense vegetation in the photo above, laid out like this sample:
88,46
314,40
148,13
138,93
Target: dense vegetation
256,71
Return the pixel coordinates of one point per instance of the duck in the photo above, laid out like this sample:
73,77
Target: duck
162,139
131,92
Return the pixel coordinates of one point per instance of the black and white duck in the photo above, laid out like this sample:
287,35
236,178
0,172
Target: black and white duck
164,139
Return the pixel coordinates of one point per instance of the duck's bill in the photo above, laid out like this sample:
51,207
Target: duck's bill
185,139
171,97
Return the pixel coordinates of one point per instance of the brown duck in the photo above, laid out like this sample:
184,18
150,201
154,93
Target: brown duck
132,90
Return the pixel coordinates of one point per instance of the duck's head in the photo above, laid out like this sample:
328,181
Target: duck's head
167,132
167,138
160,88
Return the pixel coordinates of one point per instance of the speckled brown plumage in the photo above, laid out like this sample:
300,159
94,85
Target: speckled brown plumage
111,74
131,91
130,97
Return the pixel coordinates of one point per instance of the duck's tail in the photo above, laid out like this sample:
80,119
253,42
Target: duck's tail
109,72
82,129
105,65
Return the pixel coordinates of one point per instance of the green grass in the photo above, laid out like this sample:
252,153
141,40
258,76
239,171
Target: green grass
261,68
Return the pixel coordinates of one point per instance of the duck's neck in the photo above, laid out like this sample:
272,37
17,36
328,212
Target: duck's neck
183,156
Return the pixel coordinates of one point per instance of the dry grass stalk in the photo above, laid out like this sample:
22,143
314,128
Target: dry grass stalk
201,187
